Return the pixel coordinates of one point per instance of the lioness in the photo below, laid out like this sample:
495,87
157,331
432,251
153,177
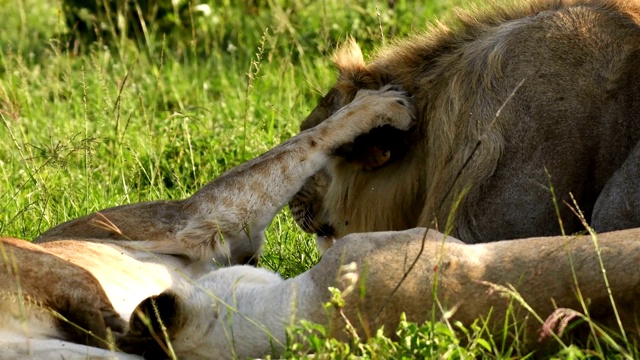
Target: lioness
241,311
513,103
150,247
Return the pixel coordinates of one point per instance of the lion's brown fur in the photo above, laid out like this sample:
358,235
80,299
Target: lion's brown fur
461,75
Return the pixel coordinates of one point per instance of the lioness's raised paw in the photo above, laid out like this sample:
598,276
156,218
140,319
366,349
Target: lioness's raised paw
389,105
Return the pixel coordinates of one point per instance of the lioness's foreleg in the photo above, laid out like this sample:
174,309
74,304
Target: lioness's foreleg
237,206
226,218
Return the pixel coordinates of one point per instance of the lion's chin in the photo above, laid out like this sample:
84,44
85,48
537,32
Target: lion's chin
324,242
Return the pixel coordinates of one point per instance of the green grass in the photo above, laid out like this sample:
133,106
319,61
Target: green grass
124,121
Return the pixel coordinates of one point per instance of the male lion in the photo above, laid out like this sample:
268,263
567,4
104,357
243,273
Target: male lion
512,103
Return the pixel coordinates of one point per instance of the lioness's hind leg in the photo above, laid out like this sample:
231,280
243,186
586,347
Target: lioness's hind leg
32,274
618,205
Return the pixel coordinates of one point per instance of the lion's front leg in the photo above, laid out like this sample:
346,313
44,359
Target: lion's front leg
618,205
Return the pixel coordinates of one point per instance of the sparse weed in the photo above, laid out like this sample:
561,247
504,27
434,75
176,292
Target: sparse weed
431,340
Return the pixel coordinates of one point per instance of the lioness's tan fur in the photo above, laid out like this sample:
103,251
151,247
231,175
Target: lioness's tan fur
34,280
505,96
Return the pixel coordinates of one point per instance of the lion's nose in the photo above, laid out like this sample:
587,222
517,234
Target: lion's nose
326,230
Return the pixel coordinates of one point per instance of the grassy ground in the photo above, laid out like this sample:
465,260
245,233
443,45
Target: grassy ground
84,128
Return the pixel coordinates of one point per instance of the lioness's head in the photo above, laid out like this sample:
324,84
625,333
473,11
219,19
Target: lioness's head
210,318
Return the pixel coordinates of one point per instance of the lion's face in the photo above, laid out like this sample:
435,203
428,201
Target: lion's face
365,158
374,182
307,206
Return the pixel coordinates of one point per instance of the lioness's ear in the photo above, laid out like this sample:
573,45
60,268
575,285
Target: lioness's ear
145,335
352,70
155,311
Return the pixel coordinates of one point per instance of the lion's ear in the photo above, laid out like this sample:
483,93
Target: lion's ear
348,58
352,70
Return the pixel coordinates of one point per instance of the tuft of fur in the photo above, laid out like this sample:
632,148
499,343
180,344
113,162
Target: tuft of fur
349,58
